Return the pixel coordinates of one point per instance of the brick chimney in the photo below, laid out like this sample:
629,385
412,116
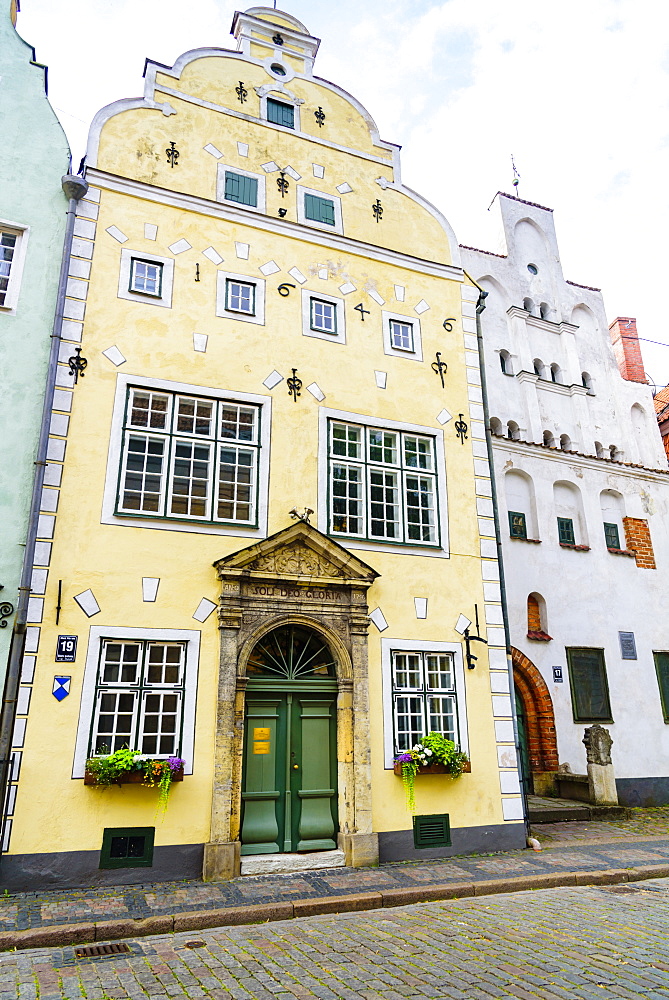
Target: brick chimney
626,348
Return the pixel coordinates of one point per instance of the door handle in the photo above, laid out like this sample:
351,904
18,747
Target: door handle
296,767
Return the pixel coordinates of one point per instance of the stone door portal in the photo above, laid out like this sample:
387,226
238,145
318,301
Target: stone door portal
289,782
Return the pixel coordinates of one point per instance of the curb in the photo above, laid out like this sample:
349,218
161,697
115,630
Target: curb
112,930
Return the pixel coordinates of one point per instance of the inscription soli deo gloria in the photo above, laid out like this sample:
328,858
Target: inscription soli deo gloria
300,593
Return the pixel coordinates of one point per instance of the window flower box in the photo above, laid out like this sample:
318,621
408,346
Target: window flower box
130,767
432,769
434,754
129,777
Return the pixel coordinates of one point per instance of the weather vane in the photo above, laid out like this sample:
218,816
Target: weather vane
516,175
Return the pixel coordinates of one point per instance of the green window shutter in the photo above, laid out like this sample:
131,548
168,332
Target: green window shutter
566,530
280,114
612,536
517,525
127,847
589,686
431,831
319,209
662,670
243,190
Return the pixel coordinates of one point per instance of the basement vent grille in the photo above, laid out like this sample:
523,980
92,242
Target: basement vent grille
431,831
100,950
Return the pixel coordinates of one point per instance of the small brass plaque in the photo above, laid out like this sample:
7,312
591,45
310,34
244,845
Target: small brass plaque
261,747
261,734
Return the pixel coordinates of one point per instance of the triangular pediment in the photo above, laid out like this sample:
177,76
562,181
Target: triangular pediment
298,552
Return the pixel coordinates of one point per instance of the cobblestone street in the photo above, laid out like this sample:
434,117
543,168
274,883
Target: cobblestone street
594,942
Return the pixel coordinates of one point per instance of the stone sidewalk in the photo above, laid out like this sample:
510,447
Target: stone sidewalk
31,920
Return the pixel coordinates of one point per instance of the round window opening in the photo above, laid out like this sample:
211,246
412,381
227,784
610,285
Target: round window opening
278,69
532,268
292,653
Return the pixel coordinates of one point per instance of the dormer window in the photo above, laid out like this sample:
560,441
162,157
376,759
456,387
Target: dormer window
280,113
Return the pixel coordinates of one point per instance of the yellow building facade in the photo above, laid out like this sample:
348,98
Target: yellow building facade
268,502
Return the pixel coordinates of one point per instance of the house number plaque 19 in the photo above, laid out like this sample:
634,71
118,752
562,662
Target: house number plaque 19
66,649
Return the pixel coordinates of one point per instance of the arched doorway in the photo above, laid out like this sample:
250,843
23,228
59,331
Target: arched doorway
538,718
289,772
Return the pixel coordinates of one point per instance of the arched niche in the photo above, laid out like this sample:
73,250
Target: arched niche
520,499
640,431
530,244
612,505
568,504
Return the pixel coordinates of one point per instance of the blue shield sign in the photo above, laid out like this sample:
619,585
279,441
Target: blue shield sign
61,687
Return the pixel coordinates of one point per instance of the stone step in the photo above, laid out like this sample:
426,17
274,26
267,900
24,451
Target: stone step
283,864
548,810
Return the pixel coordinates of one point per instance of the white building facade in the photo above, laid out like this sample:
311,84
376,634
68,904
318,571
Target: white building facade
583,492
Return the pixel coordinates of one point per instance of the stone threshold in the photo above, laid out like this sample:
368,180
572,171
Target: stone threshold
287,864
113,930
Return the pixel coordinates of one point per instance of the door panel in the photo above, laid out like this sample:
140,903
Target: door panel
289,791
312,743
264,762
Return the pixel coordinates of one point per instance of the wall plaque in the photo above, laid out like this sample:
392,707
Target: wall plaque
66,649
627,645
557,675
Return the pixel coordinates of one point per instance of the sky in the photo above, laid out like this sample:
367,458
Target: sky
576,90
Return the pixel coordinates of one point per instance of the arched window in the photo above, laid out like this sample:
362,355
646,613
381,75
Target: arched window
556,373
513,431
520,504
528,306
291,652
536,618
599,450
545,310
615,453
496,427
505,362
586,379
569,513
613,512
549,439
538,367
565,442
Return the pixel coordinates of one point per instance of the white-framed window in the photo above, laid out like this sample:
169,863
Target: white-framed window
423,691
145,277
184,457
382,484
319,209
323,316
280,109
138,692
13,243
240,187
189,457
240,297
402,336
385,484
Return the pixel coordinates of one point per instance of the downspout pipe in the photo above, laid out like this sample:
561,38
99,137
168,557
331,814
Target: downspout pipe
480,306
74,189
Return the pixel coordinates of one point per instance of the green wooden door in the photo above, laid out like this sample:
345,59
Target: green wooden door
289,788
522,740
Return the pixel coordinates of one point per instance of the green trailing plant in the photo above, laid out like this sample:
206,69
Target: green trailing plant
432,749
156,773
